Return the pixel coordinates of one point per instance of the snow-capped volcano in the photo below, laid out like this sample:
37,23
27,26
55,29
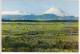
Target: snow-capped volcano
55,11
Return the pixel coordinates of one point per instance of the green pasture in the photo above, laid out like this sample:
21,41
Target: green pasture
39,36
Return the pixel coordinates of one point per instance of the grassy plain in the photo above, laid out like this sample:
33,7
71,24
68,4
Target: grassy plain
40,36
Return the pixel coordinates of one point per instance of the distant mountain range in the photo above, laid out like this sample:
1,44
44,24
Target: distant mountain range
38,17
48,15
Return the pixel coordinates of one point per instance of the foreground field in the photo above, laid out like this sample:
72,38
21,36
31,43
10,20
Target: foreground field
40,36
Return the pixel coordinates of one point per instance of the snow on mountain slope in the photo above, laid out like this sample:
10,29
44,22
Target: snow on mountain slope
55,11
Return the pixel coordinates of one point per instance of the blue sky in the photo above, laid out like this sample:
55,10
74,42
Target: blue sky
39,6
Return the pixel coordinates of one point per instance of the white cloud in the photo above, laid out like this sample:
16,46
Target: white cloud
10,12
16,12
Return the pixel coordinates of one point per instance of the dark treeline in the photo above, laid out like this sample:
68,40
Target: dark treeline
39,20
